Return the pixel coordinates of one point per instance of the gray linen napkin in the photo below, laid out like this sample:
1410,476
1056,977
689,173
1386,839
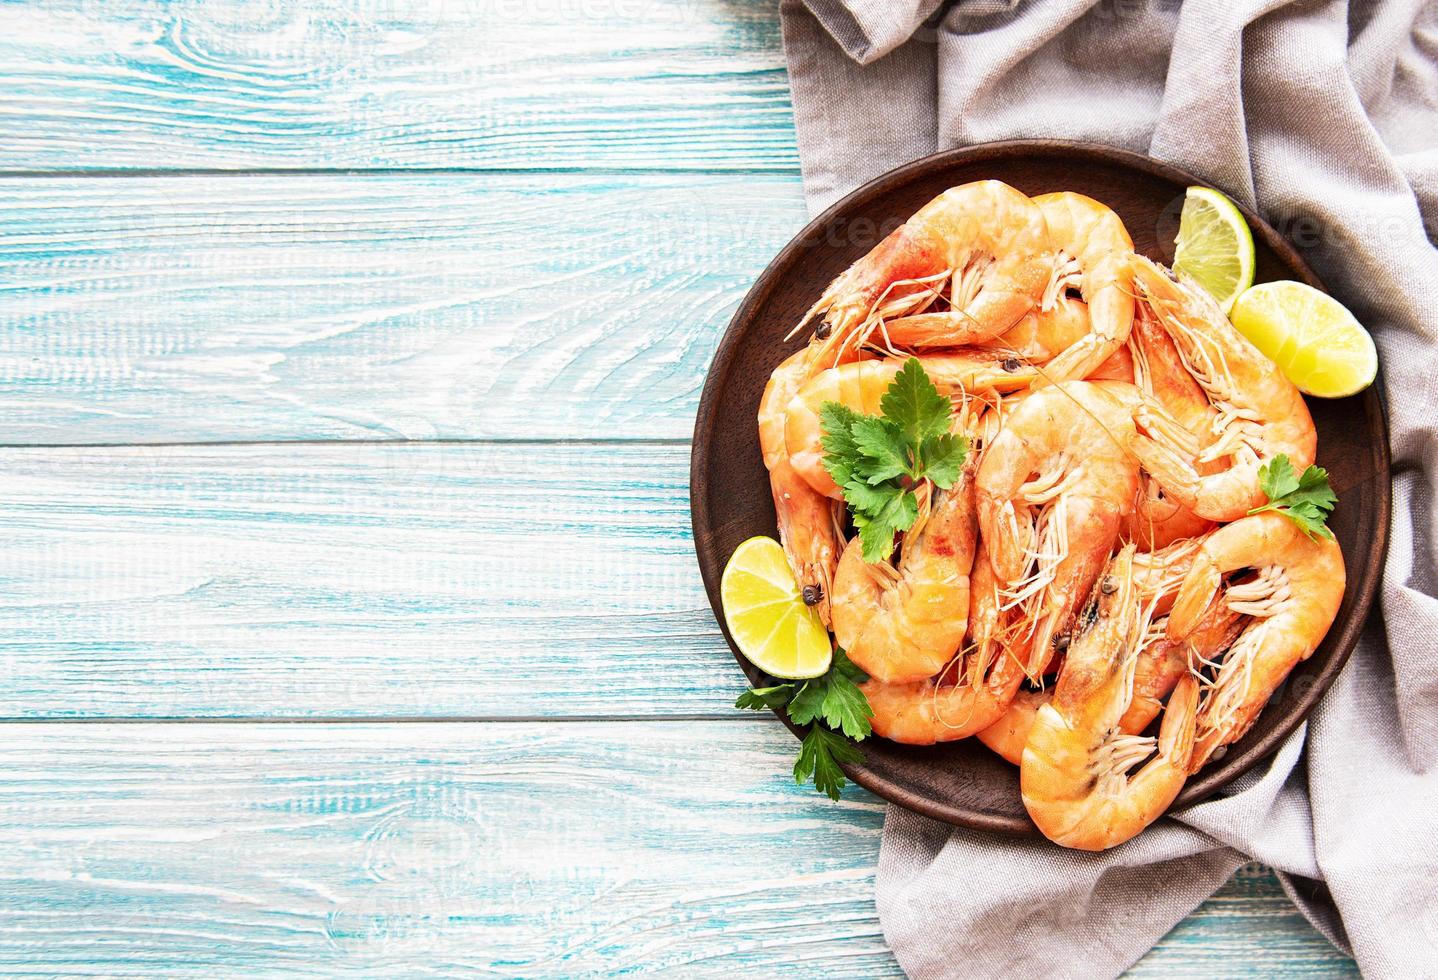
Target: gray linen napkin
1324,115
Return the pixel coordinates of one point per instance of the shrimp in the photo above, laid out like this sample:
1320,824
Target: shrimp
938,710
970,695
1051,491
905,624
1159,574
1093,250
807,520
1259,414
1164,662
1043,333
1161,664
1074,775
861,386
1292,601
980,248
1158,520
1008,736
1118,367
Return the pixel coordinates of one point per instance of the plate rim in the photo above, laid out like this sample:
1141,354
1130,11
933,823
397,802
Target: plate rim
1205,783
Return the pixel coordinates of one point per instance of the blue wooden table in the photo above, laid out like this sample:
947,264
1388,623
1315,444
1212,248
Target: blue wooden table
350,618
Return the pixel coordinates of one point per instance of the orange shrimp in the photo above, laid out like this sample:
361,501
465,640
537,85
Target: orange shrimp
1157,520
1074,775
983,248
1258,415
1161,664
807,520
943,709
1044,332
1051,490
1008,736
1292,601
1093,251
906,624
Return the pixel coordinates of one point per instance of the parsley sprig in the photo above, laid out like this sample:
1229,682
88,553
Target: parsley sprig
1306,500
878,460
835,710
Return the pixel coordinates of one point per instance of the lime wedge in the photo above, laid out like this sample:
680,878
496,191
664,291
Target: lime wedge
1310,335
766,614
1215,247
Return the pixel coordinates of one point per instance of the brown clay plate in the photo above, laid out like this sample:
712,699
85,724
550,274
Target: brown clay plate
963,783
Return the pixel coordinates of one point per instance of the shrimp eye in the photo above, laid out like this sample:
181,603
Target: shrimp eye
823,330
1110,585
813,595
1061,642
1010,364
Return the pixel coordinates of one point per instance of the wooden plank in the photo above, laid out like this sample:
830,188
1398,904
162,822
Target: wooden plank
373,580
523,849
334,307
547,84
507,849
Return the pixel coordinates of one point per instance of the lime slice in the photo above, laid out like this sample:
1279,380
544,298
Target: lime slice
1310,335
1215,247
766,614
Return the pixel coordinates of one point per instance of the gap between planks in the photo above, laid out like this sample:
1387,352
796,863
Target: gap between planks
737,716
576,171
598,441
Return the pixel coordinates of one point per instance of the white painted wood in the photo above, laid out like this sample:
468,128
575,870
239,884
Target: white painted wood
252,308
509,580
528,84
519,849
556,850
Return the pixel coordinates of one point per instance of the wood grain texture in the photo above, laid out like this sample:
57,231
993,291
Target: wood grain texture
493,581
260,849
498,84
145,310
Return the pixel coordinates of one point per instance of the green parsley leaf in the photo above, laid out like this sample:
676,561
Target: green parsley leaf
819,758
836,699
843,665
914,404
878,460
759,698
1306,500
836,422
885,450
942,458
878,526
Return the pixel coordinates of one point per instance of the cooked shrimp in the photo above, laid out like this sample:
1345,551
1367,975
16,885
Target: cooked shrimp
1074,774
981,248
1164,662
1259,413
807,520
1158,520
943,709
1008,736
1051,491
861,386
1044,333
1118,367
1093,251
1159,574
1292,600
1161,664
906,624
